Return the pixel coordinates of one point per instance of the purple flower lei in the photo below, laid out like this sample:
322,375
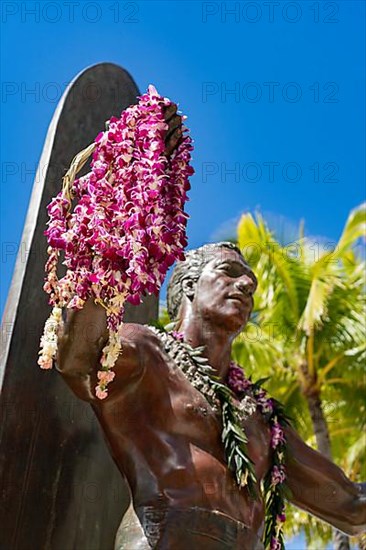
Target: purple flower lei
276,477
128,225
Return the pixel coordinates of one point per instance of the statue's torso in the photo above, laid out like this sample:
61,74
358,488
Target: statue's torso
166,440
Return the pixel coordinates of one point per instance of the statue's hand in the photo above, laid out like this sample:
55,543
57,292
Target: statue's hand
174,132
173,135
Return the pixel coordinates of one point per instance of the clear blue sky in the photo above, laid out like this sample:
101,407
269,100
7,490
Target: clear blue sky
288,139
292,132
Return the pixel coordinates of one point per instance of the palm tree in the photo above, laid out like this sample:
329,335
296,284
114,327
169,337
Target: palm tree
308,328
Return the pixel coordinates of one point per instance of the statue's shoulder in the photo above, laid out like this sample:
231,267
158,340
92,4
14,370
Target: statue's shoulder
140,335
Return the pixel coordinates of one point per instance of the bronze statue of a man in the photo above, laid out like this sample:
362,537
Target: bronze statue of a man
166,438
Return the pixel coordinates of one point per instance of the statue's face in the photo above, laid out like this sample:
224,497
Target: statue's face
224,292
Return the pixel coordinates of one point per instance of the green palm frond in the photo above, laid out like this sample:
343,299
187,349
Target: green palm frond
354,229
316,305
284,281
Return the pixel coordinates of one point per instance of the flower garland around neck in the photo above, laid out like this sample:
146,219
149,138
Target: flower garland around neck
127,228
232,397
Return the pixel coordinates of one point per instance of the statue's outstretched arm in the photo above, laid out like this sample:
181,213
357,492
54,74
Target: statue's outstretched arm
321,488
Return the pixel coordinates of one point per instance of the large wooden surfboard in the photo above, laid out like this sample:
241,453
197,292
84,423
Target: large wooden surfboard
60,489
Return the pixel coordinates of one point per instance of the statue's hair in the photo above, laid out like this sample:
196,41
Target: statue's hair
191,268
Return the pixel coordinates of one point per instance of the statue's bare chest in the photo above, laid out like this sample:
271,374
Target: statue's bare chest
189,414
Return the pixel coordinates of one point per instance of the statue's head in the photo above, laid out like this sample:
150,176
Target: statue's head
215,276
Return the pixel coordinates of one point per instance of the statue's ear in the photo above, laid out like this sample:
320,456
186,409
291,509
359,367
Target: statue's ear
188,288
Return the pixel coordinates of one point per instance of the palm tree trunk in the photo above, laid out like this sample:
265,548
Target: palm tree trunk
340,540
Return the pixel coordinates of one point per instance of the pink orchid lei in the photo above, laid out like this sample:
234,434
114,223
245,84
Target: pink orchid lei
274,482
127,228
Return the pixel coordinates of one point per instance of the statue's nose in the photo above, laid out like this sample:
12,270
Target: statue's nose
245,285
